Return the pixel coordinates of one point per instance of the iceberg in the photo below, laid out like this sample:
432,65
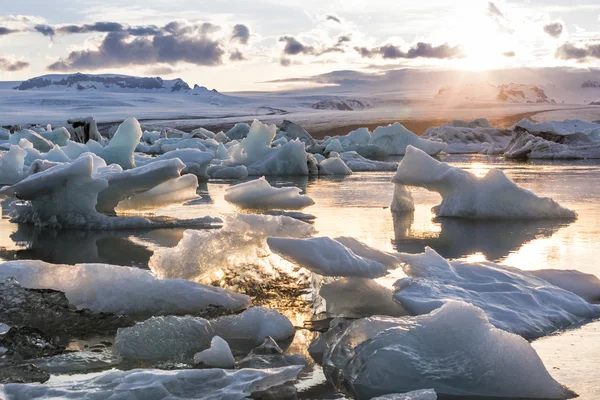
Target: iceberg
469,137
38,141
122,290
586,286
334,165
562,128
259,194
142,384
358,163
200,255
217,356
173,191
396,138
465,195
453,350
12,166
292,131
327,257
122,145
238,132
514,300
196,161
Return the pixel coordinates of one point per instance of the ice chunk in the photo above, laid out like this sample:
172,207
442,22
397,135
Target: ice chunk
196,161
360,249
174,191
254,325
238,132
473,137
11,166
326,256
334,145
358,163
396,138
292,131
402,201
548,145
218,355
465,195
256,153
200,254
566,127
359,298
59,136
122,145
143,384
424,394
583,285
334,166
270,355
514,300
38,141
259,194
121,290
165,338
454,350
221,171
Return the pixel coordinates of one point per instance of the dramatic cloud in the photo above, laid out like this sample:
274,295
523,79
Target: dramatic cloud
493,10
554,29
178,43
236,55
343,39
294,47
420,50
10,65
509,54
45,30
569,51
7,31
333,18
241,33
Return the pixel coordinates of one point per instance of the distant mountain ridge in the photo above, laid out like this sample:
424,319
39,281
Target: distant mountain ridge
108,83
341,104
487,92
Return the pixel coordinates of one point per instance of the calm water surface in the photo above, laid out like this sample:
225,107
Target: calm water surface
358,206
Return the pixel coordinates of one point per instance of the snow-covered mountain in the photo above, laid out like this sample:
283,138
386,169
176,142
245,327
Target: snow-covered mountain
590,84
341,104
487,92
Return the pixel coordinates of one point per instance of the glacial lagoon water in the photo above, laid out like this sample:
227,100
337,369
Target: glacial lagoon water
358,206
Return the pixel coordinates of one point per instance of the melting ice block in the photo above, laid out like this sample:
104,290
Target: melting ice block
514,300
395,139
121,290
259,194
465,195
326,256
469,137
358,163
583,285
217,356
454,350
142,384
122,145
334,166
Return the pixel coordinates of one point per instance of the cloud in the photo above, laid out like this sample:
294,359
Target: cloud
333,18
509,54
554,29
11,65
569,51
285,62
498,16
45,30
161,70
343,39
294,47
419,50
241,33
179,42
7,31
493,10
236,55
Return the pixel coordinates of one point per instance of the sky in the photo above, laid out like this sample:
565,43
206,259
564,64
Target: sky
258,45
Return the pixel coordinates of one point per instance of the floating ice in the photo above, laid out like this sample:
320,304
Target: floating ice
583,285
256,153
334,166
12,166
122,145
38,141
425,394
174,191
514,300
334,145
402,201
270,355
396,138
217,356
292,131
454,350
200,255
121,290
221,171
180,338
468,137
238,132
326,256
358,163
143,384
359,298
259,194
196,161
59,136
566,127
465,195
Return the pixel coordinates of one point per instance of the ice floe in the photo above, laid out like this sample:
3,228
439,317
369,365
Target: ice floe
259,194
334,165
122,290
395,139
468,196
141,384
453,350
514,300
583,285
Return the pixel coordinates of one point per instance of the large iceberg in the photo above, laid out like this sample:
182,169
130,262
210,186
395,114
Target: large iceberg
241,243
259,194
327,257
144,384
469,137
454,350
514,300
468,196
122,290
396,138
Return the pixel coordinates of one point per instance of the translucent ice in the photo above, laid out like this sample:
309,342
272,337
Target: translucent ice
259,194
